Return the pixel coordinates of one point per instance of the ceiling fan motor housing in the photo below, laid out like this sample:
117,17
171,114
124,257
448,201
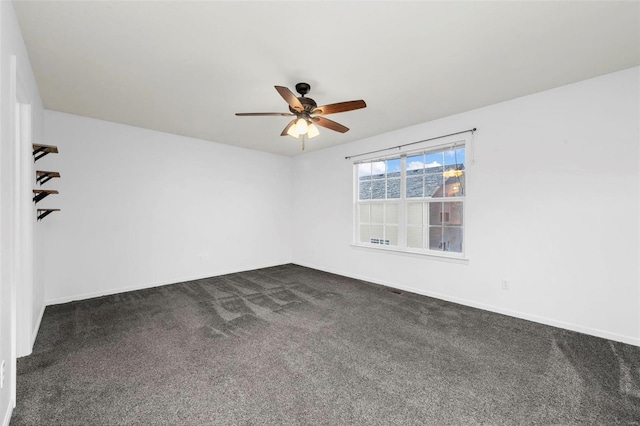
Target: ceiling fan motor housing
308,104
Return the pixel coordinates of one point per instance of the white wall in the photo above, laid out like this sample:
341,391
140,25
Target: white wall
12,45
142,208
552,206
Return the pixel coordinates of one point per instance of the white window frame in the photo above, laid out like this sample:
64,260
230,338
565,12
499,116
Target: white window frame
452,142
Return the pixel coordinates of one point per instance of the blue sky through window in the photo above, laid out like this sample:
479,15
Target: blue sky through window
413,162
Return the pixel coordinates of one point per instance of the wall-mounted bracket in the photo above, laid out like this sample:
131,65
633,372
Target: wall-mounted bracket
41,193
42,213
40,151
43,177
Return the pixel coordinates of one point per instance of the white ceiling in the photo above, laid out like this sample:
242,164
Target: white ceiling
186,67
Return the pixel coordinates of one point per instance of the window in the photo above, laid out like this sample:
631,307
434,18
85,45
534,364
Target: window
379,186
413,201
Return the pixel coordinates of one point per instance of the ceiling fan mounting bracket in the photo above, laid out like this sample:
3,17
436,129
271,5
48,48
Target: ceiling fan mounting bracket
303,88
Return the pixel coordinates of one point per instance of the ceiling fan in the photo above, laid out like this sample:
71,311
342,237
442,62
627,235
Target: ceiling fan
308,114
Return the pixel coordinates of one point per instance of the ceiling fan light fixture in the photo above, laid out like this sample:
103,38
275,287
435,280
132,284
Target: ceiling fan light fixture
292,130
301,126
312,131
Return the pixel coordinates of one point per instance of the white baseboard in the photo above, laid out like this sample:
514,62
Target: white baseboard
522,315
491,308
107,292
7,414
36,328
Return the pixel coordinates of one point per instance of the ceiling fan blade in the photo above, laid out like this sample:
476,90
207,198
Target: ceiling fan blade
286,129
339,107
329,124
265,114
291,99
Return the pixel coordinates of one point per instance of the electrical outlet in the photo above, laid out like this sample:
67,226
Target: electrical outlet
2,374
506,285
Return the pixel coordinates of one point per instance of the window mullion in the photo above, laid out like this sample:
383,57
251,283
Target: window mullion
402,208
356,202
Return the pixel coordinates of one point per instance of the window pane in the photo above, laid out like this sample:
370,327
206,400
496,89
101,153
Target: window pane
415,186
364,213
432,162
435,238
364,170
455,156
452,238
455,213
365,234
378,189
454,183
364,191
378,169
436,214
391,234
414,214
392,214
414,236
415,165
445,213
434,183
393,168
393,188
377,232
453,170
377,213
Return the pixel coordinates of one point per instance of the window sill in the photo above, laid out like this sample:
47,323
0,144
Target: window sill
443,257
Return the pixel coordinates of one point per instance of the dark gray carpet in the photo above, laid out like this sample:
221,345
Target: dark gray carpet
292,345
